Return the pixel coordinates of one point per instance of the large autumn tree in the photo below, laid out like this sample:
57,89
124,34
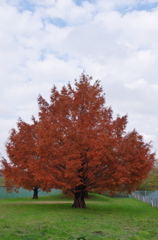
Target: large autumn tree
79,147
82,148
21,150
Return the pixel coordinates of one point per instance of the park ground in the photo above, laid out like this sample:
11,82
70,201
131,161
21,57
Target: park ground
51,218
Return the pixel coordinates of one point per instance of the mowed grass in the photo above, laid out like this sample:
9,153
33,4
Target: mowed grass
104,218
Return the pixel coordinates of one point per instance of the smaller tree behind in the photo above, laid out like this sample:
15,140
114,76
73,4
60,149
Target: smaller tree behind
150,183
21,150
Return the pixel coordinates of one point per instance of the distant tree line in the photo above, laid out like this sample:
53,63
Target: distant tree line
150,183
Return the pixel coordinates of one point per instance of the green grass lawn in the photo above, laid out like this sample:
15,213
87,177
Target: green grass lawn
104,218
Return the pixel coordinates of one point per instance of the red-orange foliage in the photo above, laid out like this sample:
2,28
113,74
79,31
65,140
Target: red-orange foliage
21,150
79,147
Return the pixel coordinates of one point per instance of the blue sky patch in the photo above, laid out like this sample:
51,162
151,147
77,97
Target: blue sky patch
26,5
80,2
147,7
138,7
59,22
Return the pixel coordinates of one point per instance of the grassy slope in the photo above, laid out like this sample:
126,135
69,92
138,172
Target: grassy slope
104,218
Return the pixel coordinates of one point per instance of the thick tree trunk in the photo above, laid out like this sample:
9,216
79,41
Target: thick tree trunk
86,194
35,193
79,200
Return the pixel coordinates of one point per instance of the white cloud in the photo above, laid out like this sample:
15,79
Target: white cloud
137,84
148,137
118,47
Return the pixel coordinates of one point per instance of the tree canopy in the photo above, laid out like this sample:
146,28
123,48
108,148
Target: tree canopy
79,147
21,150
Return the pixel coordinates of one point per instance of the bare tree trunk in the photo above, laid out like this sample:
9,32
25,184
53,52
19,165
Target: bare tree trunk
79,200
35,193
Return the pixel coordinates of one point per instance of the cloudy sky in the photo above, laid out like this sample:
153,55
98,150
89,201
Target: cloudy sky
47,42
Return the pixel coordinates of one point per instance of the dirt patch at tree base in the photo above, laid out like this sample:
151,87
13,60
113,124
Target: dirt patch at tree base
36,202
47,202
